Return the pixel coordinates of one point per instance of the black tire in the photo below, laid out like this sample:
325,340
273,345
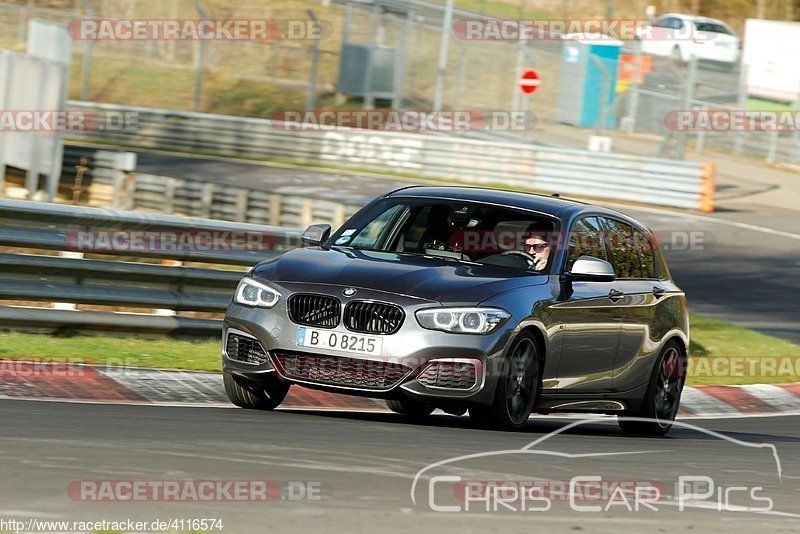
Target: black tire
662,399
248,395
410,407
517,389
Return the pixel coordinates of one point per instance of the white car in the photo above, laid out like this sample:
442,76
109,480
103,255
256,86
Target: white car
685,36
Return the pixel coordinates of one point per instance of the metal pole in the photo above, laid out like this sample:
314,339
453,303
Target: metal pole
198,74
86,62
515,92
741,103
794,152
442,72
369,100
459,74
633,103
6,62
311,96
58,144
688,96
402,67
22,25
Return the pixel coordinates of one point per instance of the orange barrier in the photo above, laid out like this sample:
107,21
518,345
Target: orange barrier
709,186
627,67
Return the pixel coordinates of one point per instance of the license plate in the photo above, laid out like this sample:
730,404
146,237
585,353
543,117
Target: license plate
326,339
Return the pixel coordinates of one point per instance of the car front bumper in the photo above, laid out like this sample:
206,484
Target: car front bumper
413,347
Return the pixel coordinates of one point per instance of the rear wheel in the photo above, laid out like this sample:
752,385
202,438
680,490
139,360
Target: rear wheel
517,390
661,402
410,407
246,394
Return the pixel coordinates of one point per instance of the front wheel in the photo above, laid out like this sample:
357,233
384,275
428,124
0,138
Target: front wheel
662,400
246,394
517,390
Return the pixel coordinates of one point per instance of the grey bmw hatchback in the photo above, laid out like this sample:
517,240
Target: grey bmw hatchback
501,304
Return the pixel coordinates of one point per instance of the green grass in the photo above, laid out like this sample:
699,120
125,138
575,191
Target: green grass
202,355
755,104
713,339
710,339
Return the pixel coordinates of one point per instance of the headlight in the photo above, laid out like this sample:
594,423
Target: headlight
252,293
462,320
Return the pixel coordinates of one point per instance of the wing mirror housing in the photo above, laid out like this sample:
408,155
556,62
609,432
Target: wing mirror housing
589,269
316,234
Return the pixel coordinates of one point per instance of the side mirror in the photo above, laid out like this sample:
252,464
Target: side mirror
316,234
589,269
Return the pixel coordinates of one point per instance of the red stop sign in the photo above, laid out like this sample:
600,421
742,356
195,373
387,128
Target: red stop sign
529,81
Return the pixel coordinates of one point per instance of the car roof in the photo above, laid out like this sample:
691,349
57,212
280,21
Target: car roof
561,208
549,205
693,18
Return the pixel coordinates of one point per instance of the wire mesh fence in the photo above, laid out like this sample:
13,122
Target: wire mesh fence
260,78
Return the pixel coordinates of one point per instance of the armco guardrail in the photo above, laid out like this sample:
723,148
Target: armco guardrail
74,279
578,172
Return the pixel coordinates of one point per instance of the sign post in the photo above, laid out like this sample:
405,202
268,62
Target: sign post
528,83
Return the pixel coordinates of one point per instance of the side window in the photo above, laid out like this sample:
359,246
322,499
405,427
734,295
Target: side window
585,239
647,260
661,23
621,249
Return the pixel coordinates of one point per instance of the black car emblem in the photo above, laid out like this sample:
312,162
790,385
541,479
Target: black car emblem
349,291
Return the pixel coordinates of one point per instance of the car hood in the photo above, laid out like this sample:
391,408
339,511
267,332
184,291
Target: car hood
426,277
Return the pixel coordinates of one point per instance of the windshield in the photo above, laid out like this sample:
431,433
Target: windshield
453,229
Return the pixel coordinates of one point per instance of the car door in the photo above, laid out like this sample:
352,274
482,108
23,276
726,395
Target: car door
589,316
648,310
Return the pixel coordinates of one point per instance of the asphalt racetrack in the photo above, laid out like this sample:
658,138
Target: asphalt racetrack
359,469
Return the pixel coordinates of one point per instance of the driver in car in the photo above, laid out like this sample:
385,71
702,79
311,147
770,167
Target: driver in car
537,247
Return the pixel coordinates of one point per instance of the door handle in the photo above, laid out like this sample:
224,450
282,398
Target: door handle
614,295
659,292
